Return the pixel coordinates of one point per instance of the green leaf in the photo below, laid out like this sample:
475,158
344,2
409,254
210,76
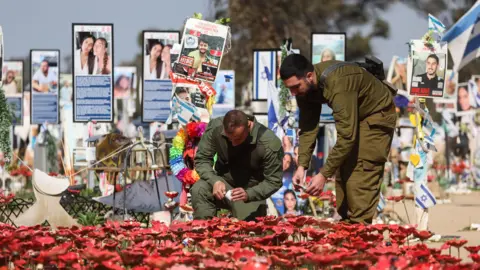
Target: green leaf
197,15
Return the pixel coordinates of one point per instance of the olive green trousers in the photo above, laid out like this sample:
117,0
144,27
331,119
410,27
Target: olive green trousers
358,188
205,205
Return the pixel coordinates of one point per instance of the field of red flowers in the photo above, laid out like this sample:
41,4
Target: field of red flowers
270,243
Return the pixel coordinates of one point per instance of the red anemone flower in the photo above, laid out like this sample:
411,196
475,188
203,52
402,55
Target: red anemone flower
171,194
475,257
159,261
458,243
422,235
472,249
395,198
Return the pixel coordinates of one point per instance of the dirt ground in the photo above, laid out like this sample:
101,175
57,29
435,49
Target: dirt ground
449,219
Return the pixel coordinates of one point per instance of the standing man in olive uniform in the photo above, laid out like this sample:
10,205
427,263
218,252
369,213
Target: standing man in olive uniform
249,164
365,119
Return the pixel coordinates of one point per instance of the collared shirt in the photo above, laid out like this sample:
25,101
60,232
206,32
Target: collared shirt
255,165
434,84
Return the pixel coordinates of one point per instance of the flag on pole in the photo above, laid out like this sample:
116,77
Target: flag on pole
381,203
424,197
464,38
472,50
435,24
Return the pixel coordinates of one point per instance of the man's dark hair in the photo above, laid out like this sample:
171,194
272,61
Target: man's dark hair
234,119
434,56
181,90
295,65
202,39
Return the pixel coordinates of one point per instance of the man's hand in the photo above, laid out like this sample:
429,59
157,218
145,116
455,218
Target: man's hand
316,185
239,194
219,190
299,175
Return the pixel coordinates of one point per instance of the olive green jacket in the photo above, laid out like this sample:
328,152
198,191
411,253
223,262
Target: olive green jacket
353,94
256,165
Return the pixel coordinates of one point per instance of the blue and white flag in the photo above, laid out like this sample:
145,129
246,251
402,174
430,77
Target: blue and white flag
183,110
464,38
424,197
381,203
435,24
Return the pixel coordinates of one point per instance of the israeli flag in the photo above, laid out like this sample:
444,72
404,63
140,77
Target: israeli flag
464,38
381,203
424,197
435,24
275,120
185,111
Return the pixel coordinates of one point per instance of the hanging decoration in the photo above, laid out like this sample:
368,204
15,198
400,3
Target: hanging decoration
183,147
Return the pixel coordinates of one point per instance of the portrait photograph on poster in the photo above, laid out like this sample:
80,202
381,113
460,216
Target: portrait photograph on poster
92,49
328,46
66,89
397,72
13,78
225,98
157,54
264,67
45,66
427,67
188,102
465,99
202,49
125,82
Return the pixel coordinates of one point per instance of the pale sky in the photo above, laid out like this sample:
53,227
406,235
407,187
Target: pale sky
46,24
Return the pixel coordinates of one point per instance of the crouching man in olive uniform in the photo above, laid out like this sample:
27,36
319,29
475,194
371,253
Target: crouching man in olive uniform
249,164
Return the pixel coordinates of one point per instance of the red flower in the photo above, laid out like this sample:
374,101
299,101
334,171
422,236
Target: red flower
212,264
303,196
132,256
456,243
357,264
111,265
422,235
171,194
69,258
313,233
475,257
45,241
269,220
395,198
159,261
444,259
379,227
186,208
208,243
97,255
179,227
472,249
258,263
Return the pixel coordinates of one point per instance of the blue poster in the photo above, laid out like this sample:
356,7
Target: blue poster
156,100
93,98
44,86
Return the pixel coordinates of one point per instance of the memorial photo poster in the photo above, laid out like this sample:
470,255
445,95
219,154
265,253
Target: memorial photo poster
160,50
466,101
188,102
92,49
225,98
264,68
202,49
125,82
12,78
44,72
328,46
449,100
325,47
397,73
13,89
427,66
157,54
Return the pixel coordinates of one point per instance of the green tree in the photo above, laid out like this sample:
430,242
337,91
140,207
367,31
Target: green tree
265,24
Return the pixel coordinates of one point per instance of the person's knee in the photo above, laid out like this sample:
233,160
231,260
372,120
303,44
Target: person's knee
200,190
